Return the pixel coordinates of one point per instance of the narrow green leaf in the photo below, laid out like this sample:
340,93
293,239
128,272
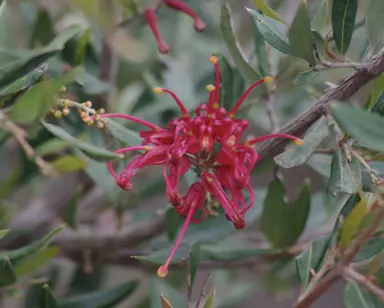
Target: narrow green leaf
9,183
3,233
311,259
125,135
7,273
223,253
345,177
211,299
307,77
371,248
365,127
283,223
89,149
300,36
356,297
268,11
351,223
81,46
48,300
19,255
29,60
70,210
269,30
374,21
299,154
343,22
160,287
377,89
52,146
249,74
91,84
378,107
35,103
320,19
194,259
260,50
35,261
160,256
172,222
25,82
105,298
69,163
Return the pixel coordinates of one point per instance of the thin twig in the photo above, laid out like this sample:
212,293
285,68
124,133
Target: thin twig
21,136
203,291
351,275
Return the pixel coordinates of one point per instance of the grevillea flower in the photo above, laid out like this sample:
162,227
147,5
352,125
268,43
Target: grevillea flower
191,142
177,5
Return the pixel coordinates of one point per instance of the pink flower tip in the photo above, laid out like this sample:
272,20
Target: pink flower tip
199,25
163,48
162,271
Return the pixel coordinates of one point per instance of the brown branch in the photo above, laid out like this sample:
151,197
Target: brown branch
350,85
351,275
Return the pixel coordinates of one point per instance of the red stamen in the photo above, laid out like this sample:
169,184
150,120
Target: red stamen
150,16
181,6
124,150
128,117
163,269
183,110
246,93
266,137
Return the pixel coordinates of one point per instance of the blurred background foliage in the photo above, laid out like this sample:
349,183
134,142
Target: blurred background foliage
54,172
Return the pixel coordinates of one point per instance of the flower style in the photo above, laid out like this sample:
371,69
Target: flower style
208,142
177,5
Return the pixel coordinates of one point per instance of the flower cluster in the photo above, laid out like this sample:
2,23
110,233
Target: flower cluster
178,5
208,142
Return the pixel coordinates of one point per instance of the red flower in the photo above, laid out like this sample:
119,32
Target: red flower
191,142
178,5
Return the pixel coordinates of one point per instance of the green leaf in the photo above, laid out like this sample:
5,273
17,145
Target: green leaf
374,21
311,259
377,89
91,84
269,30
345,177
225,253
9,183
35,103
249,74
29,60
160,287
366,128
125,135
88,149
321,17
232,83
160,256
343,22
70,210
299,154
194,259
260,50
352,222
35,261
19,255
307,77
172,222
69,163
370,249
105,298
3,233
268,11
356,297
23,83
300,36
81,46
283,223
378,107
48,300
52,146
7,273
211,298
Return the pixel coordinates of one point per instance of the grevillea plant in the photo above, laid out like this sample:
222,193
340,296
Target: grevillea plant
178,5
210,143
